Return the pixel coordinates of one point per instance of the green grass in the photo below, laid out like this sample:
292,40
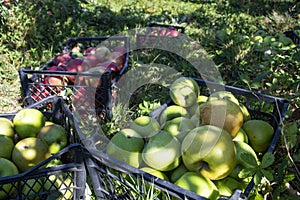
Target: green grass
33,32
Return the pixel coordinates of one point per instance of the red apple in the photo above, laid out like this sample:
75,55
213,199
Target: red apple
74,65
90,50
90,60
117,58
113,67
163,32
61,59
121,49
58,80
173,33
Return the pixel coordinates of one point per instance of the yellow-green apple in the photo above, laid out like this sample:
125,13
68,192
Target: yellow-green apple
7,168
222,113
6,127
228,185
126,146
178,172
260,134
179,127
145,126
210,151
162,152
28,152
184,91
198,184
241,136
7,145
223,95
155,172
55,136
102,53
28,122
172,112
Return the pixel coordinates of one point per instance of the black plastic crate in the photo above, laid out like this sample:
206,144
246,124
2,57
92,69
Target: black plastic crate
39,84
66,180
108,174
86,99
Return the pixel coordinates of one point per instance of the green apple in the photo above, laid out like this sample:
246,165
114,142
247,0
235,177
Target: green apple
31,188
145,126
7,168
228,185
178,172
198,184
260,134
184,91
6,127
28,152
222,113
126,146
28,122
210,151
179,127
162,152
241,136
172,112
7,146
155,172
242,147
55,136
223,95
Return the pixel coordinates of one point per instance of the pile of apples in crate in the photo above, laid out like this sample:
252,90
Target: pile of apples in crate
92,59
26,141
199,143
